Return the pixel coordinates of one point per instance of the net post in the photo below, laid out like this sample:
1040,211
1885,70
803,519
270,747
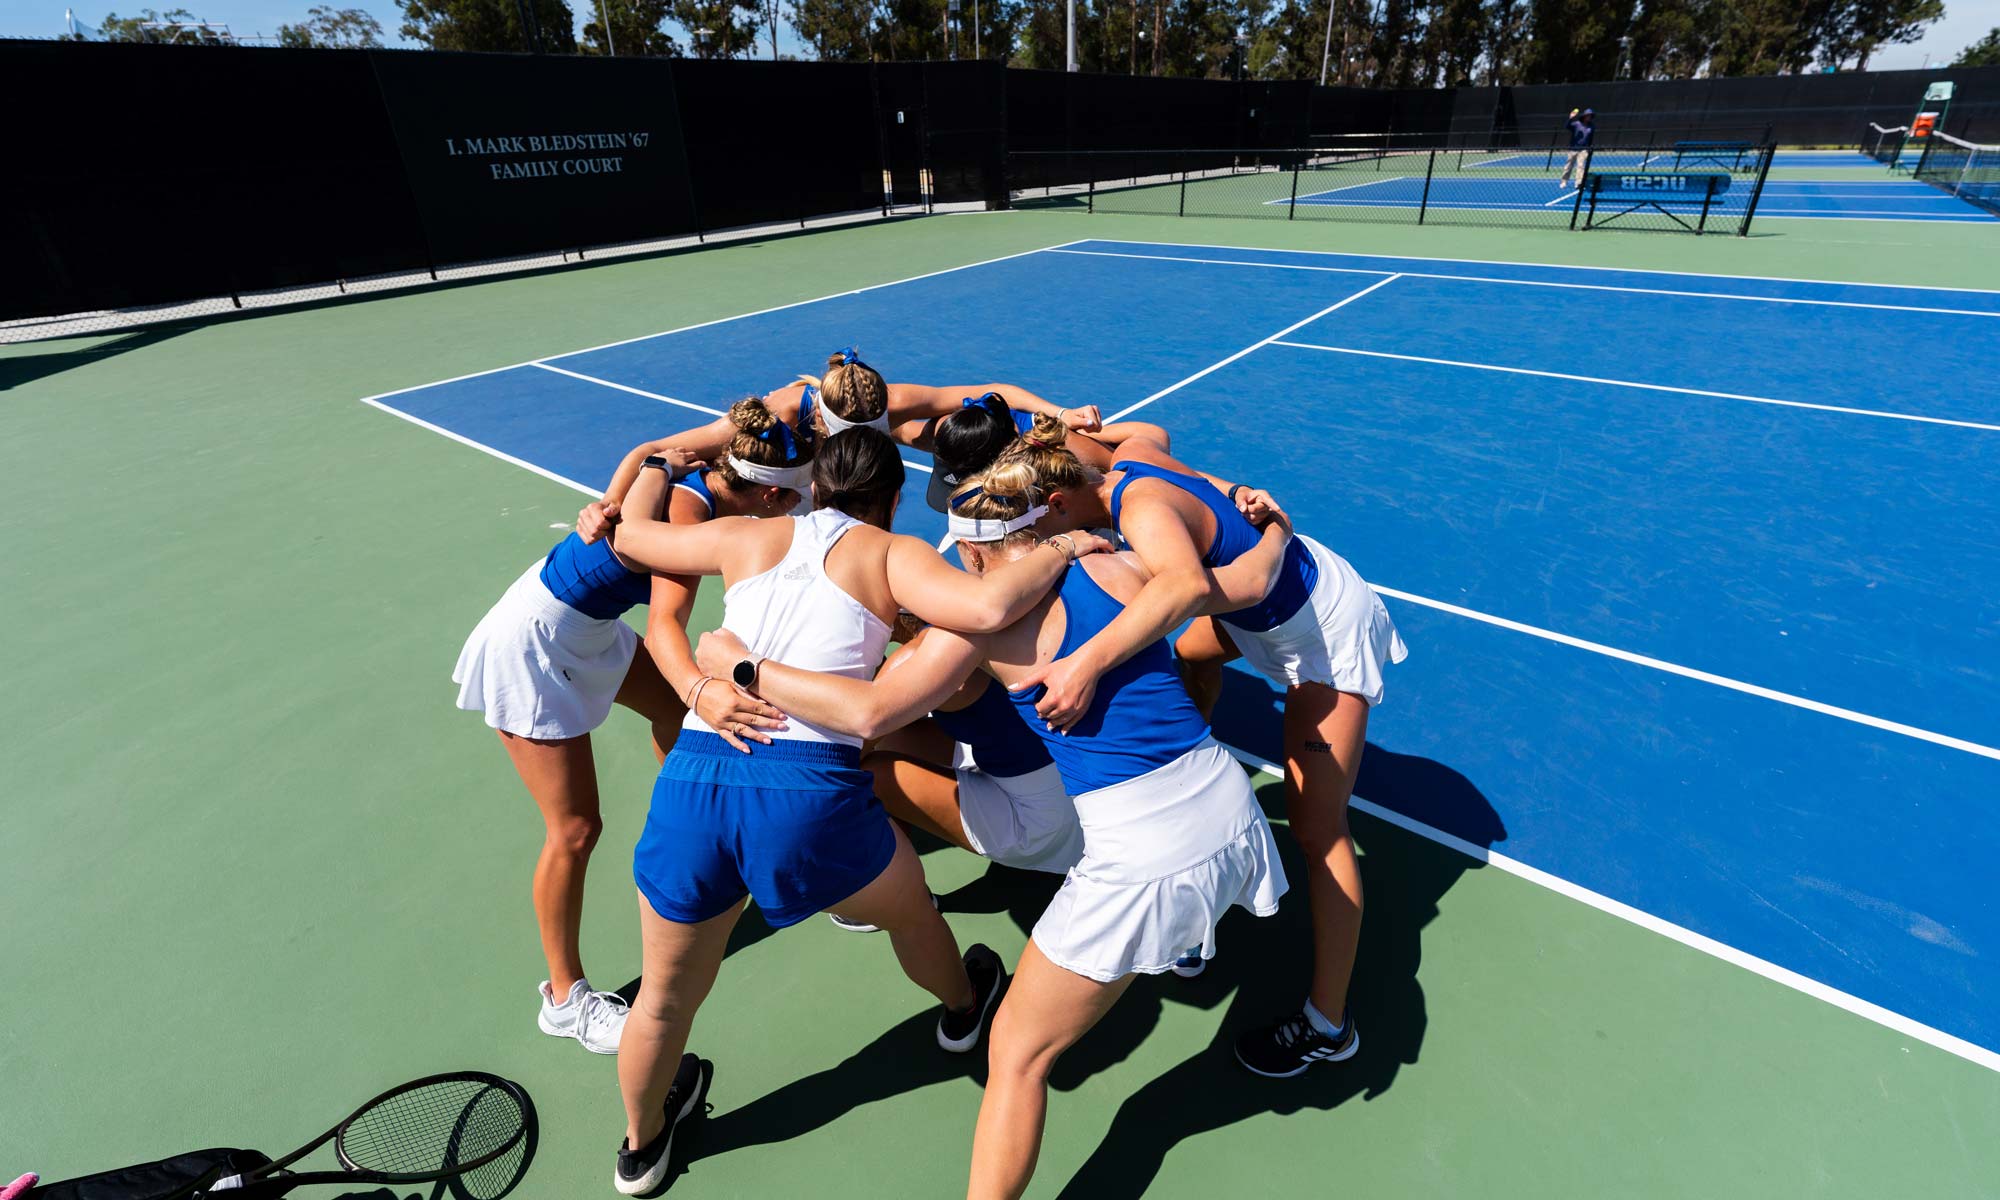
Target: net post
1090,201
1582,182
1423,206
1757,190
1184,174
1293,211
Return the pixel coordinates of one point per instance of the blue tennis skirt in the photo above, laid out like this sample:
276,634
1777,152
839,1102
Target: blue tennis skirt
794,825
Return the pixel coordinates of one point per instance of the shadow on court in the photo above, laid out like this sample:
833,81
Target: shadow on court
18,369
1263,968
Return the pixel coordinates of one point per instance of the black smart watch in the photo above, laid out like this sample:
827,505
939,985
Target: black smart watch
654,460
745,672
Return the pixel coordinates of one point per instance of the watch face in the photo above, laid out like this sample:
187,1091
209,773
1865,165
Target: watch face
746,673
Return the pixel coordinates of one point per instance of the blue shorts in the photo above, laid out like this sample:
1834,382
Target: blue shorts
795,825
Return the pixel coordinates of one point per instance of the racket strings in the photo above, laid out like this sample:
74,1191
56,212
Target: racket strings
437,1127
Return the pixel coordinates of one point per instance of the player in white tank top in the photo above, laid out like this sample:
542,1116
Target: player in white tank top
795,823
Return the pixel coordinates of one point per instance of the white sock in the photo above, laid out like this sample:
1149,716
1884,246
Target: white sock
1326,1028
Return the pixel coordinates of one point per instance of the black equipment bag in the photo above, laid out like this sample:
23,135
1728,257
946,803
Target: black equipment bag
172,1178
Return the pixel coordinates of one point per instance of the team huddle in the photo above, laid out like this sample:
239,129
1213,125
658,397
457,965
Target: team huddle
1034,713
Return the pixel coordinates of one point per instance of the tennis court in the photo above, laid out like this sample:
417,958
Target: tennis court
1675,823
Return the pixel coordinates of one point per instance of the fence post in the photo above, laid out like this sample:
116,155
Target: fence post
1090,200
1423,206
1293,211
1757,192
1183,208
1707,198
1582,182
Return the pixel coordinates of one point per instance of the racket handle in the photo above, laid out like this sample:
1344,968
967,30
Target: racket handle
19,1186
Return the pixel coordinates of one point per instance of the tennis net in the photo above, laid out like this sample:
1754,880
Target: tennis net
1967,170
1881,144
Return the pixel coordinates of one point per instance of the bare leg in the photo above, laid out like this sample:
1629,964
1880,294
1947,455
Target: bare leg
562,777
645,692
1046,1010
680,966
920,794
1325,733
900,903
1202,651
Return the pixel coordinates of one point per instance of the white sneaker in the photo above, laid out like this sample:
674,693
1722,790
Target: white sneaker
596,1019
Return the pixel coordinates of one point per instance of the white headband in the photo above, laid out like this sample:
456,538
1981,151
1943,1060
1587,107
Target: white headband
986,529
797,478
834,423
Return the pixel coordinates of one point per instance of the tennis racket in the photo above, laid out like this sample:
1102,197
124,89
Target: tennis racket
471,1132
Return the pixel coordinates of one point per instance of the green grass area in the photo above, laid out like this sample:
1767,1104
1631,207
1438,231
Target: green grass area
259,867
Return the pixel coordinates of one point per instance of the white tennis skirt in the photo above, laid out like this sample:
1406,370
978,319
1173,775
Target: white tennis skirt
1165,855
1026,821
540,669
1342,637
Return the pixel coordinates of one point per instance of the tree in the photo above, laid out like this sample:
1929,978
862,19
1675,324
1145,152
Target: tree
1576,39
1857,28
1983,53
345,28
837,30
636,29
488,24
132,29
718,28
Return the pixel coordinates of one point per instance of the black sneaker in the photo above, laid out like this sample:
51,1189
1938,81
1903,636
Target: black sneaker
959,1032
858,927
1286,1048
640,1171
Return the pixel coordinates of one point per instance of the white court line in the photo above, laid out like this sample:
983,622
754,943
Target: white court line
624,387
1350,187
1888,1019
482,447
1122,413
1569,195
1721,681
1650,387
1729,954
1543,266
718,321
1591,287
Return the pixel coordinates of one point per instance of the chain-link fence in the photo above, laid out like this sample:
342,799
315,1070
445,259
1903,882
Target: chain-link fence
1693,187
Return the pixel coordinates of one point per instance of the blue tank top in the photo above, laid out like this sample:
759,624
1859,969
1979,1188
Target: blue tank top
1002,744
1234,537
697,483
591,580
1140,718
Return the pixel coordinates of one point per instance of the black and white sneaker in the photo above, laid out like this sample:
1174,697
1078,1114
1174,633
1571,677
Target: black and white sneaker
1286,1048
958,1033
858,927
640,1171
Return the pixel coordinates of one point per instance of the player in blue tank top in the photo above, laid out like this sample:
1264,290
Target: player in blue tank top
552,657
1142,742
1322,634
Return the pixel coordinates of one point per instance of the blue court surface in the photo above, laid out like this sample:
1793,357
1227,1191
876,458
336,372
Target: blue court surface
1664,159
1699,584
1885,199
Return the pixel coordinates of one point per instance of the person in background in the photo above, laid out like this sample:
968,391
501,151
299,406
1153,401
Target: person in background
1582,126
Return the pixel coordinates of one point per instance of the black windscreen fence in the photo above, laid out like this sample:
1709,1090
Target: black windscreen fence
171,174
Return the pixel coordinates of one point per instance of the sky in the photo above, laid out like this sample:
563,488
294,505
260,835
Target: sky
1965,22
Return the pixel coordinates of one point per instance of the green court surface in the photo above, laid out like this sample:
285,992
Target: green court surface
258,867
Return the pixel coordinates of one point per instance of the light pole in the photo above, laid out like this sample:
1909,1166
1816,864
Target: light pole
1326,48
701,37
603,14
1069,34
1242,52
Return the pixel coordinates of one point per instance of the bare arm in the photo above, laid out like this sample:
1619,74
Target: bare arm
1254,573
644,542
933,666
1179,588
941,594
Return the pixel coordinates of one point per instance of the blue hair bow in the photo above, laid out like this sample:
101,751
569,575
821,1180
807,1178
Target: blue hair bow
787,443
849,356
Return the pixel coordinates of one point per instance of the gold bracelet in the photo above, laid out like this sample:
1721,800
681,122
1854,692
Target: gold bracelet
1068,548
694,693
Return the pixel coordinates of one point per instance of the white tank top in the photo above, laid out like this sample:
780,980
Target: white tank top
795,615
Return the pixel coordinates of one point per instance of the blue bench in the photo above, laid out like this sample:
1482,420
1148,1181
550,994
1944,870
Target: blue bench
1608,195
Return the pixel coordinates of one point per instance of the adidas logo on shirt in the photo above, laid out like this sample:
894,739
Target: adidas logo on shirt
799,571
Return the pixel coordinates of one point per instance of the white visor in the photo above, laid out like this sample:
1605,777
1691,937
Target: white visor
797,478
834,423
986,529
